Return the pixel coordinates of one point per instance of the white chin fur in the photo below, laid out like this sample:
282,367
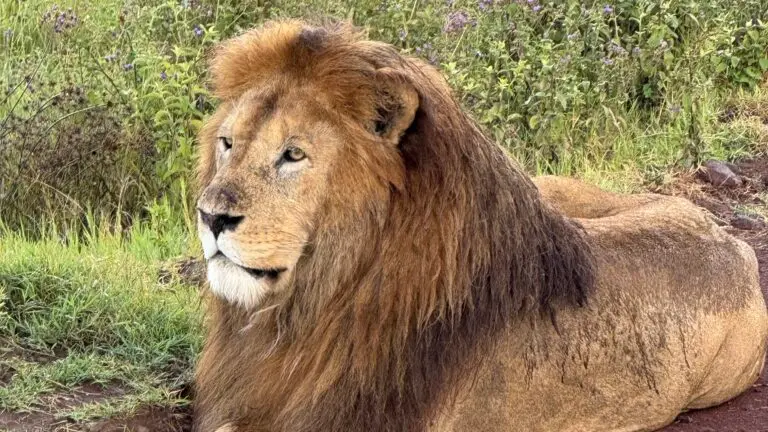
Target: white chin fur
235,285
208,241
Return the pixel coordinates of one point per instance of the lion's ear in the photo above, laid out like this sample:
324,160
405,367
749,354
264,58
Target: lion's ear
396,104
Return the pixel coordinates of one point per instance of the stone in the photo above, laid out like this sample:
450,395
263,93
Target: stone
719,174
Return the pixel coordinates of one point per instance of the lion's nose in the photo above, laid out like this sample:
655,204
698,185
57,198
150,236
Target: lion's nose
218,223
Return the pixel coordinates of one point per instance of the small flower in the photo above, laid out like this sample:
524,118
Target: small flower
128,66
608,9
457,21
606,61
110,57
198,30
617,49
402,34
663,45
163,76
479,54
485,5
536,8
636,51
433,59
573,36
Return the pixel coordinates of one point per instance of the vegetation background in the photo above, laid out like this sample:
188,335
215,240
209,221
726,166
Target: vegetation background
100,102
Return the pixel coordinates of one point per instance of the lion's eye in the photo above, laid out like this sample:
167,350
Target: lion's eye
294,154
226,143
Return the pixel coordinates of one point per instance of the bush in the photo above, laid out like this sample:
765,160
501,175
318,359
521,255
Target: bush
563,84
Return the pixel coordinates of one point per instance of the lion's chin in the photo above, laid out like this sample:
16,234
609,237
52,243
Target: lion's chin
239,285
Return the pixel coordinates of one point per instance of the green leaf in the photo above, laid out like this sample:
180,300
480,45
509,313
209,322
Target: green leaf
534,121
764,64
721,67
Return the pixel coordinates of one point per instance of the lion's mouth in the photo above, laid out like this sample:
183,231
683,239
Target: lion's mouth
258,273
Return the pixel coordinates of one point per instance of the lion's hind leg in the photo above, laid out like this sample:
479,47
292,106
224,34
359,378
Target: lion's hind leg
738,362
740,356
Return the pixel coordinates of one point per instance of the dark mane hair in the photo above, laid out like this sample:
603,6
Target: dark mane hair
397,300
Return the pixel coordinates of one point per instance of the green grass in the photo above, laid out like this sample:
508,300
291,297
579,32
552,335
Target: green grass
91,310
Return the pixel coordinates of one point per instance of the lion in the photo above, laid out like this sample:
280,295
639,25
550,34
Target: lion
375,263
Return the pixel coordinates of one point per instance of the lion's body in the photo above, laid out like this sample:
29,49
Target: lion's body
425,283
677,322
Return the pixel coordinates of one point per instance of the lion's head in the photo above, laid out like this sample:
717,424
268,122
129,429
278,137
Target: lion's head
288,145
364,239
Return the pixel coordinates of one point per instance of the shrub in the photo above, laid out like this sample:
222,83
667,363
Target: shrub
562,84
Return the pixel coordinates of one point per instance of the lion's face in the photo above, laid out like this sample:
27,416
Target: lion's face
270,158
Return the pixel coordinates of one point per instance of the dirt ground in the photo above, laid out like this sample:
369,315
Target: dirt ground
732,202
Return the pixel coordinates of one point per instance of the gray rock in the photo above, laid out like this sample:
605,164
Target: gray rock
747,223
719,174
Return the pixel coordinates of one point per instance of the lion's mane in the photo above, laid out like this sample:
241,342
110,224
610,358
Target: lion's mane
390,305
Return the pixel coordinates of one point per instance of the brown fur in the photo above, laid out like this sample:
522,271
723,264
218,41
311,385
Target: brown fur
411,271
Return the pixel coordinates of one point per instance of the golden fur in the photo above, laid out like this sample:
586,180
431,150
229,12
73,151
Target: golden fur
425,283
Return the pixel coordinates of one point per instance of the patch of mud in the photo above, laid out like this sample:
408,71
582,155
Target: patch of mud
44,418
749,411
10,352
146,419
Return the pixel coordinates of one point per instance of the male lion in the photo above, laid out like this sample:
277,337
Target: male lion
377,264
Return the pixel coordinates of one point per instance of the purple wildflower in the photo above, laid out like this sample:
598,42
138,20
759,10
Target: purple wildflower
457,21
62,20
606,61
484,5
110,57
636,51
128,66
163,76
402,34
617,49
433,59
198,30
536,8
608,9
